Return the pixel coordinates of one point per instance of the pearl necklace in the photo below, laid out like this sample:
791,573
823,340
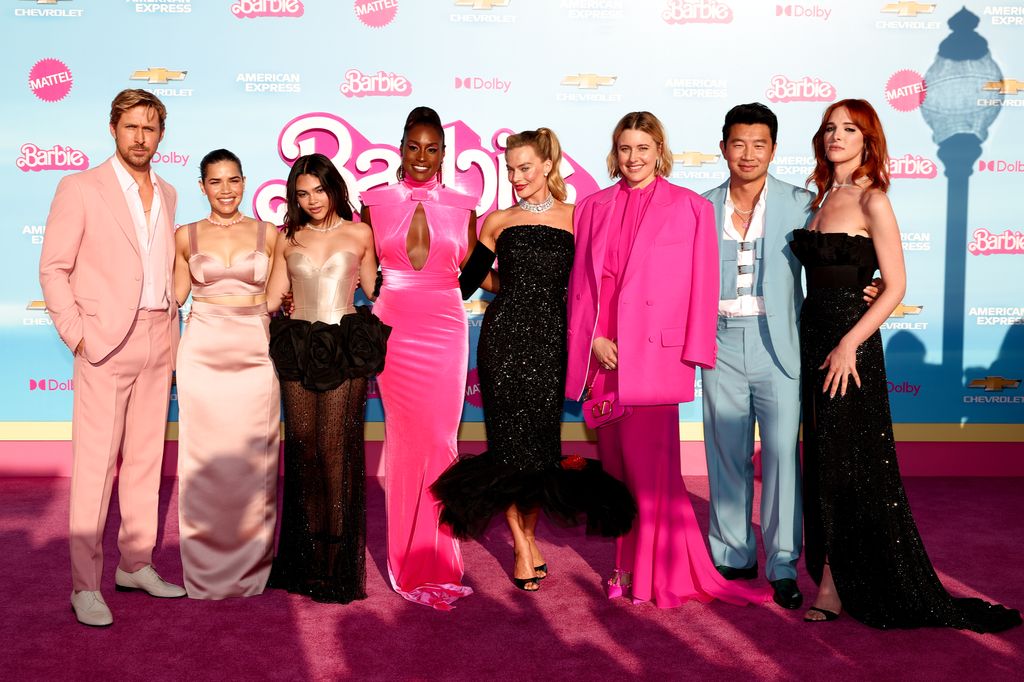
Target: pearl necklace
237,220
330,228
537,208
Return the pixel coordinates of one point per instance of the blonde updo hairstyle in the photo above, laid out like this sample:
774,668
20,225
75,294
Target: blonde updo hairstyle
545,143
646,122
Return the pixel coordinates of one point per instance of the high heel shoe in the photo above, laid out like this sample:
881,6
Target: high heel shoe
543,568
522,583
618,584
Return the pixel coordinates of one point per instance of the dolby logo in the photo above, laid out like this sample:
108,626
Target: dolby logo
486,84
50,385
1001,166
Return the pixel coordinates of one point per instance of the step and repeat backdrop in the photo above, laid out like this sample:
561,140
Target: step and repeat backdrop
275,79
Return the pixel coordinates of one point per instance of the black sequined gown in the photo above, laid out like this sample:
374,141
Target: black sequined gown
856,514
521,359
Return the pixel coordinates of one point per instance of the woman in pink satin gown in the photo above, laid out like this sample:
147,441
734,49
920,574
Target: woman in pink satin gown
423,233
642,303
228,394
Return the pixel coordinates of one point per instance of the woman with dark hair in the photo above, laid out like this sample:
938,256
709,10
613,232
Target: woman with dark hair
228,395
521,359
423,234
643,305
323,353
862,546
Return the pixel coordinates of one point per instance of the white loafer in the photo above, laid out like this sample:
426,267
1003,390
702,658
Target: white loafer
147,580
90,609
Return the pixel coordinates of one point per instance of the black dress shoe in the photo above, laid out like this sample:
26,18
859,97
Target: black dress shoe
730,573
787,595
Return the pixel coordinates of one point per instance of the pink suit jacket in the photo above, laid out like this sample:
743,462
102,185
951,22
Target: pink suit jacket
90,268
668,303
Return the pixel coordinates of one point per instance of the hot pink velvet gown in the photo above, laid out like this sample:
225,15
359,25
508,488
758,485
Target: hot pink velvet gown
423,383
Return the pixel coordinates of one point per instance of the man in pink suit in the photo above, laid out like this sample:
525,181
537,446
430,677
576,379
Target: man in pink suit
105,272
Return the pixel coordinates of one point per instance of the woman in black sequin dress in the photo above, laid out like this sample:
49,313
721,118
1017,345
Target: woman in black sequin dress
521,359
862,546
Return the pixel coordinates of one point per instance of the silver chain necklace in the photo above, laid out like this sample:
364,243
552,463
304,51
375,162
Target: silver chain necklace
537,208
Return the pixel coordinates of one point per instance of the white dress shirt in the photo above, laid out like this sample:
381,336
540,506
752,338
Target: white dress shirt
747,304
153,250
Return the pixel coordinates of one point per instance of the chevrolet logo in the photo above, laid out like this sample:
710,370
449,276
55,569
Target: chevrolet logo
476,307
694,158
47,2
908,9
902,310
588,81
994,384
36,305
158,75
1007,86
482,4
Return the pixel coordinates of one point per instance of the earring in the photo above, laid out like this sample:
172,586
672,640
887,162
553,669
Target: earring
657,164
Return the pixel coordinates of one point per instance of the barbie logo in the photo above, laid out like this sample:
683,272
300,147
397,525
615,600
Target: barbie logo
473,395
806,89
470,165
912,166
985,243
57,157
696,12
249,9
380,84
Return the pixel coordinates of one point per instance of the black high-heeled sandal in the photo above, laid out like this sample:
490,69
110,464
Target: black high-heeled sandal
829,615
522,583
544,568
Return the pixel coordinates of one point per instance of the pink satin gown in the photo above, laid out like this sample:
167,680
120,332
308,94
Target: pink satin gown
664,552
229,424
423,383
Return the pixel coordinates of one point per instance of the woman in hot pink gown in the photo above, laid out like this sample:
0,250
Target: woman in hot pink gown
643,300
422,233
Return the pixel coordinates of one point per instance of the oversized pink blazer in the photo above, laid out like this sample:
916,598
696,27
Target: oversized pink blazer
668,304
90,268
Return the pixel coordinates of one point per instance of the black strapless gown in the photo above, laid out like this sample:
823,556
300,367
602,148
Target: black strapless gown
856,514
521,359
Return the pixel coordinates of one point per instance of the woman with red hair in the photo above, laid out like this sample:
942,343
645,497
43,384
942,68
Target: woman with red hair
862,546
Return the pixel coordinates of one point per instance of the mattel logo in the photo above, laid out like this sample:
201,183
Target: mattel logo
473,395
912,167
806,89
249,9
58,157
477,83
50,80
803,11
1001,166
696,12
380,84
50,385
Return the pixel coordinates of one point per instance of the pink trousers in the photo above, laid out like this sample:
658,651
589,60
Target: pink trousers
120,406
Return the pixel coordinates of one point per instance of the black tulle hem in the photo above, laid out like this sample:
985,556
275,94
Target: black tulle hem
475,488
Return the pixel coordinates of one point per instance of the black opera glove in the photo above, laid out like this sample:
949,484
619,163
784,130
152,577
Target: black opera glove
378,283
477,267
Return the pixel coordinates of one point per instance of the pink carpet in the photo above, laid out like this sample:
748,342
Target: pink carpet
973,528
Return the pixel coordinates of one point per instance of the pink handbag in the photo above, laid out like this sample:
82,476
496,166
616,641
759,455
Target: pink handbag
604,409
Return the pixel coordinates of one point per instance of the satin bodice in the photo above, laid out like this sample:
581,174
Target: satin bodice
245,276
323,293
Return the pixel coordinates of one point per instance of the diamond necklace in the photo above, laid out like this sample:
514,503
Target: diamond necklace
537,208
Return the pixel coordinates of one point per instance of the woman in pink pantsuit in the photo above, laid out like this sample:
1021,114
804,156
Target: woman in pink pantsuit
423,233
643,297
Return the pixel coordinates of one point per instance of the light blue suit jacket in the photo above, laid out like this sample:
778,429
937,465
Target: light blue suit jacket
787,208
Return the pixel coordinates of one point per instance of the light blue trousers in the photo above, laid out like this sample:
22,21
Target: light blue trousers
747,385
